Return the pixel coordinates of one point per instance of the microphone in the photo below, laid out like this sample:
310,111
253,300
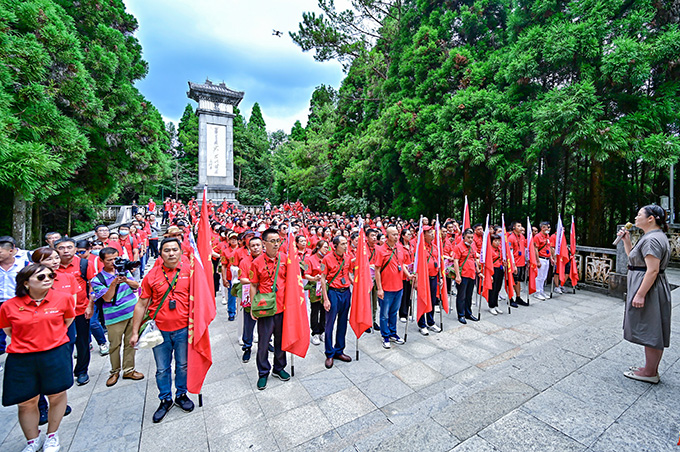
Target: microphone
625,228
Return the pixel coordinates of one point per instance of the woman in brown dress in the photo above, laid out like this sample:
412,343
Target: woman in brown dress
647,318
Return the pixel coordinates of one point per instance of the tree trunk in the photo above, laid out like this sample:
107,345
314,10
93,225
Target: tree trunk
596,202
19,219
29,225
37,224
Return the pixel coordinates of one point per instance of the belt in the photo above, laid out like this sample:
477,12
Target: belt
344,289
432,277
639,269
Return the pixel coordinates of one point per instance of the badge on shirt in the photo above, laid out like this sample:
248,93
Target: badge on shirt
251,274
343,281
322,267
399,268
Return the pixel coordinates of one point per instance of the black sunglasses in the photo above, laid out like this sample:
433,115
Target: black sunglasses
42,276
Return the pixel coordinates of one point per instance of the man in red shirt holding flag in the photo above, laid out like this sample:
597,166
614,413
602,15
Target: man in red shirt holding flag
430,256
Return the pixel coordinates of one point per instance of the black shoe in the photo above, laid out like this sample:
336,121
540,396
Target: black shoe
462,320
514,304
184,403
376,326
162,410
521,302
231,318
68,410
43,417
472,317
369,331
246,355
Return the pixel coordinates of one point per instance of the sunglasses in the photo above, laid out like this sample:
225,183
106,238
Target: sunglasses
81,252
42,276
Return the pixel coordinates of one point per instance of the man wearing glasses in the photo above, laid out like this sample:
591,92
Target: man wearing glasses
263,273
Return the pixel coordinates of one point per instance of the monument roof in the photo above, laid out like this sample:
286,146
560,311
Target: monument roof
219,92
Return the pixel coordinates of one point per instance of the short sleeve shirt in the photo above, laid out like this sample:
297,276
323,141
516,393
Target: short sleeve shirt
337,265
37,328
519,245
542,244
466,259
263,273
154,286
390,263
74,269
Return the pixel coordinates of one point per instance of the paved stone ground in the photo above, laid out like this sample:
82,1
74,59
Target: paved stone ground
544,378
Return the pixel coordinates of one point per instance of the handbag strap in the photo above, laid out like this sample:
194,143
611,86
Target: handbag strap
276,276
170,287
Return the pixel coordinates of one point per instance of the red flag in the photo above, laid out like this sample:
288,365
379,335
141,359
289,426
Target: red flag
507,257
360,315
423,287
487,268
443,294
533,269
573,270
201,305
295,334
466,215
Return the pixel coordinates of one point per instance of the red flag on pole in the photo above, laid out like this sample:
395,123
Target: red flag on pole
360,315
533,269
573,270
561,251
487,267
443,293
507,257
466,215
201,304
295,334
423,287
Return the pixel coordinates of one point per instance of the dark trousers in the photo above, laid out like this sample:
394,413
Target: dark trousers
427,319
217,278
405,300
464,297
248,328
3,340
498,274
166,216
317,317
340,302
266,326
82,344
153,247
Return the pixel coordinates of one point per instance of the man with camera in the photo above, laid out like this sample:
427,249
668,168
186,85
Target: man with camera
114,288
165,294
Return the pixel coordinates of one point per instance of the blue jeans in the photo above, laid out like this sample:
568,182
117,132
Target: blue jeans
176,342
96,328
389,309
231,302
340,302
248,329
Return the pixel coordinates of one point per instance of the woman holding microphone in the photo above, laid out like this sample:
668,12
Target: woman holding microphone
39,356
647,318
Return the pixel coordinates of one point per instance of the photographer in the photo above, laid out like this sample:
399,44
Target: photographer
115,289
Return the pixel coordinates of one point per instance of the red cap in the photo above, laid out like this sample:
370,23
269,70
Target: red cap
427,227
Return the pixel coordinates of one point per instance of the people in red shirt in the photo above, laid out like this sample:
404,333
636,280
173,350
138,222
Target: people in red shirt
263,274
466,265
314,274
518,243
390,270
151,206
255,249
336,298
541,246
83,273
39,357
498,273
165,295
408,249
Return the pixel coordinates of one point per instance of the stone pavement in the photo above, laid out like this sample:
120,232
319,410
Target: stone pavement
545,378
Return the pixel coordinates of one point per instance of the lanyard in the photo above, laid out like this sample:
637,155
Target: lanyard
173,284
271,273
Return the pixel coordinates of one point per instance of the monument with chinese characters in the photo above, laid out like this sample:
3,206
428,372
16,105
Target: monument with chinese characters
215,138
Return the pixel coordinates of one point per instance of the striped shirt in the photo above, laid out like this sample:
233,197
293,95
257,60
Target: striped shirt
124,303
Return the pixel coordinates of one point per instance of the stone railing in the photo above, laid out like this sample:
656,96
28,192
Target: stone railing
123,214
595,266
257,209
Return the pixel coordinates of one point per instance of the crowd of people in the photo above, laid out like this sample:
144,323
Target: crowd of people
57,297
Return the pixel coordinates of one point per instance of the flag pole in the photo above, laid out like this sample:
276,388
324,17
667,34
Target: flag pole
409,313
200,399
292,365
440,273
357,349
507,281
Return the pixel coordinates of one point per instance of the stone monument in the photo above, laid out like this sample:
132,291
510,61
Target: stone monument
215,138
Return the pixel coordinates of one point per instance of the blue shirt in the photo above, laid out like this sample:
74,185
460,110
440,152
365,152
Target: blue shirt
8,279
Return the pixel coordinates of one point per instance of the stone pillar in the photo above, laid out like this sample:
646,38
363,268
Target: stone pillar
215,139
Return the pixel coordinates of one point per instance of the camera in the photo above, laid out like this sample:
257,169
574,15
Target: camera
123,265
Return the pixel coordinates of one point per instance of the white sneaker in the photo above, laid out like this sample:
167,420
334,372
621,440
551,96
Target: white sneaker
437,308
499,310
104,349
322,337
434,328
493,311
539,296
424,332
52,443
35,444
224,301
386,344
558,290
402,319
240,341
501,296
315,339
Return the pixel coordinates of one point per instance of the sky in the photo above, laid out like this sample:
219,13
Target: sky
230,41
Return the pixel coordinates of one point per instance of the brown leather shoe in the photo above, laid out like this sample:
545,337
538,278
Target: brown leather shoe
329,363
113,379
344,358
134,375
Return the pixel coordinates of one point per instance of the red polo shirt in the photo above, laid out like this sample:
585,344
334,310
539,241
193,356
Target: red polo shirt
519,246
314,265
390,263
477,239
67,284
542,244
244,267
74,269
37,328
461,252
332,264
432,256
263,272
154,286
408,256
497,257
